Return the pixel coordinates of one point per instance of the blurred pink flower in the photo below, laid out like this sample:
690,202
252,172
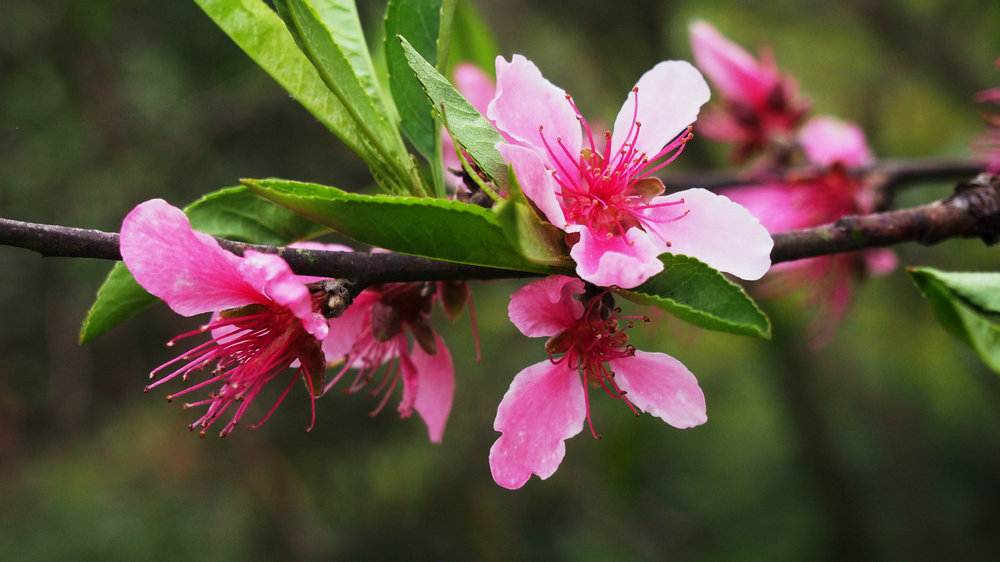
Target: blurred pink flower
373,332
988,144
265,318
603,194
760,107
811,200
548,402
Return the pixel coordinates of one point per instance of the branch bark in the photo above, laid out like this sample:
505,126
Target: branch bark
972,212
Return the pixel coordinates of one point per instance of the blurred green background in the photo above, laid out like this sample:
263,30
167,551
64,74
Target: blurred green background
883,445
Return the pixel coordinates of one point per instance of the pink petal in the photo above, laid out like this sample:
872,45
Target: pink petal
773,205
718,232
536,181
437,387
670,95
450,161
546,307
543,407
617,261
732,70
525,101
662,386
880,261
185,268
272,276
826,140
477,86
346,328
410,374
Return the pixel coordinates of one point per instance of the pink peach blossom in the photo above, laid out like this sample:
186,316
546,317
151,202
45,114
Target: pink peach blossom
603,194
760,106
832,192
548,402
376,326
265,318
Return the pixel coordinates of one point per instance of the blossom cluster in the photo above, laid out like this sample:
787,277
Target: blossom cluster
266,319
762,115
599,189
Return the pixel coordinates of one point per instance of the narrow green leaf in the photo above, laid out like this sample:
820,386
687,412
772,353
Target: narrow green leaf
469,129
419,22
967,305
234,213
696,293
341,18
433,228
256,29
319,43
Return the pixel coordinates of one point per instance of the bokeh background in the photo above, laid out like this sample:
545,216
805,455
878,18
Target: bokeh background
883,445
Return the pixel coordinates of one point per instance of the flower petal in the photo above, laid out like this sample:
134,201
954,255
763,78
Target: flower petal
543,407
536,181
669,97
616,261
437,387
475,85
734,71
546,307
716,231
662,386
275,279
826,140
185,268
525,101
775,205
880,261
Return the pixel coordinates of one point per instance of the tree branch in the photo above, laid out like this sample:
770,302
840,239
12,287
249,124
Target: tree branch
361,267
972,212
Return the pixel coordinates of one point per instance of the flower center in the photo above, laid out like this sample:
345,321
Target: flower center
598,337
609,189
250,346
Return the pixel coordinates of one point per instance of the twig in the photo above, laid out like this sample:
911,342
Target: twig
972,212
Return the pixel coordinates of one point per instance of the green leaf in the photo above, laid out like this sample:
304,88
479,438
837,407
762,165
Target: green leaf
341,18
419,22
118,299
433,228
235,213
967,305
696,293
319,43
260,33
467,127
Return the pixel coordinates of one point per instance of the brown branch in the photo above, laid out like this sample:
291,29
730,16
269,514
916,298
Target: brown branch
972,212
364,268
